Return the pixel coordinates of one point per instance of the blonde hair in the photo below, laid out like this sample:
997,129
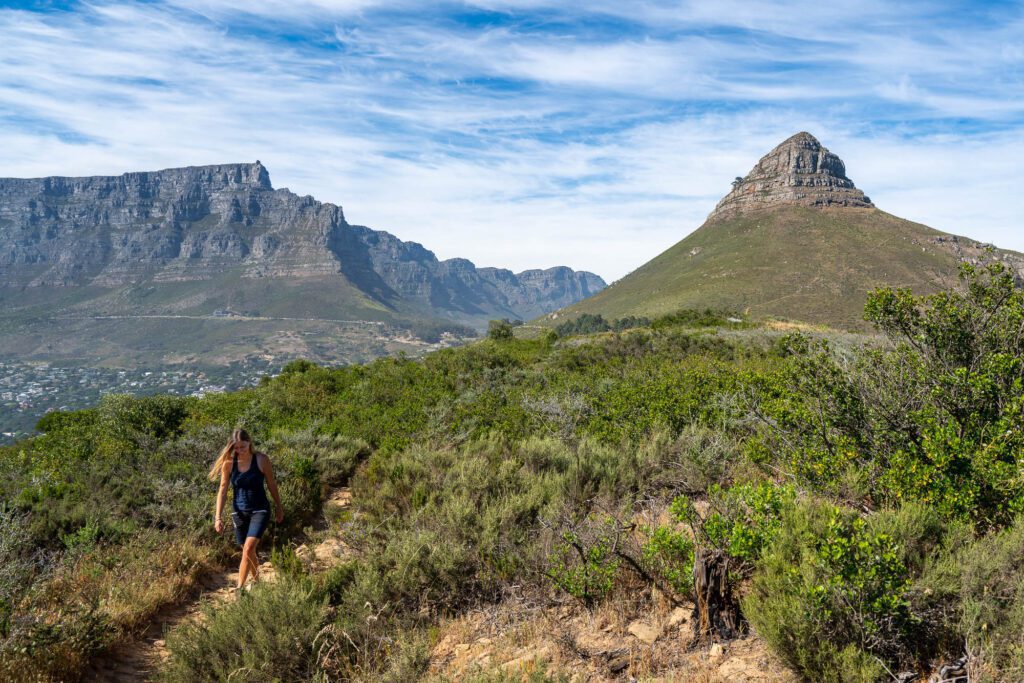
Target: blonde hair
237,435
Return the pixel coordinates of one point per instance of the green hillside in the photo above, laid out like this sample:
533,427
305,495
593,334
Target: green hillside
860,503
794,262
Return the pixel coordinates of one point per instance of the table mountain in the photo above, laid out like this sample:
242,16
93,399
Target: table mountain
132,268
794,239
197,223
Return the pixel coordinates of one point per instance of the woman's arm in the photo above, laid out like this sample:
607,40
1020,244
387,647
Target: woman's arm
222,494
268,472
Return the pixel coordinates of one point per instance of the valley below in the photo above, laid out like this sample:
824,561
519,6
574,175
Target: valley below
173,354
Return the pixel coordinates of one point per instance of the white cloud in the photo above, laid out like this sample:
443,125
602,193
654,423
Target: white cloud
600,152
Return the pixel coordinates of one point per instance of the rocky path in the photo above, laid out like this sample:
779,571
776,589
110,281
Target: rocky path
140,659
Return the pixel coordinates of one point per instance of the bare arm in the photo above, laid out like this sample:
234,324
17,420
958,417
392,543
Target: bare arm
222,494
268,472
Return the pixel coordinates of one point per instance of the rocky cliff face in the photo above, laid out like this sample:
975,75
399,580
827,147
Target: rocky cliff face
195,223
799,171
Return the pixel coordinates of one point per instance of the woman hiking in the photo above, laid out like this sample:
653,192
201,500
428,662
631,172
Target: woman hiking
246,470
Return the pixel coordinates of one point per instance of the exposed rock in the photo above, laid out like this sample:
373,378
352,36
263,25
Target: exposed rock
644,632
194,223
798,171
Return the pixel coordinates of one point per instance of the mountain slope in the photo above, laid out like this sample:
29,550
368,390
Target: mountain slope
202,241
794,239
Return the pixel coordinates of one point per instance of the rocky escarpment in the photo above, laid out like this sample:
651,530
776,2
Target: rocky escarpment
196,223
800,171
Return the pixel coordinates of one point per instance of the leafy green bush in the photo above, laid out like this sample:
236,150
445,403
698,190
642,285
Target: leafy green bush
266,634
833,591
584,570
933,417
499,330
668,556
741,520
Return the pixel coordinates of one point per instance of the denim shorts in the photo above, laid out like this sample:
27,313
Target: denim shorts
249,524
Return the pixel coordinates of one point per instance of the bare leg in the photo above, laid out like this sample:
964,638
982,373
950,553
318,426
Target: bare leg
243,568
250,562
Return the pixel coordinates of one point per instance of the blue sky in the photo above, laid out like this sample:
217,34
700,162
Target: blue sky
524,133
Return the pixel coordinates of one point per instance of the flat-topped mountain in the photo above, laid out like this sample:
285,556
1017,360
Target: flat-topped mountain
199,240
794,239
194,223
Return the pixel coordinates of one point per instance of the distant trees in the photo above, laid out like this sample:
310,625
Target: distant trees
590,323
500,330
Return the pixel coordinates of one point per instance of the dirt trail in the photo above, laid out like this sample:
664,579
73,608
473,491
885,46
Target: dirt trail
140,659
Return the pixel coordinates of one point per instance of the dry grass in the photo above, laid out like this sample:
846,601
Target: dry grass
522,640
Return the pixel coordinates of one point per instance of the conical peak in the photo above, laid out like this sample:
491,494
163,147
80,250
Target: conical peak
803,138
799,171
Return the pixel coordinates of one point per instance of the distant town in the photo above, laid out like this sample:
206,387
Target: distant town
30,390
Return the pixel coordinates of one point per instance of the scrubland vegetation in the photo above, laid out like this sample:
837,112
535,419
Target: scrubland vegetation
866,494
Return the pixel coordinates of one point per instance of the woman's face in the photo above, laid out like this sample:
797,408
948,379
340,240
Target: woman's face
242,447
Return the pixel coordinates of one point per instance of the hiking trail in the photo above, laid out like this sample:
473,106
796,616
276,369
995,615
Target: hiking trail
140,659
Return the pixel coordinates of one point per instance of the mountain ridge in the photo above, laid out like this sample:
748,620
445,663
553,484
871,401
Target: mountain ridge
191,223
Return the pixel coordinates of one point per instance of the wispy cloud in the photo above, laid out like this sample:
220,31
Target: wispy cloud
528,133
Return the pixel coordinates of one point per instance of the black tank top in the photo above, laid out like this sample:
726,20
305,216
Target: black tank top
250,493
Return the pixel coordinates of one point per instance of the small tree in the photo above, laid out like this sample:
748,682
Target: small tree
499,330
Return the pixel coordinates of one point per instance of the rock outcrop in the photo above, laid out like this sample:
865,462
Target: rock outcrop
195,223
799,171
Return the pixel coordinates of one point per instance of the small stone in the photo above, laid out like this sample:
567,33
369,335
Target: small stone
717,651
644,632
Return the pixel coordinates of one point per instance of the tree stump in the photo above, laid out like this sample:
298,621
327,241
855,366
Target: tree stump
716,613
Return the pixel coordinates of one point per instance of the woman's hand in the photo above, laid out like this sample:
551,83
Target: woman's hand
279,517
218,525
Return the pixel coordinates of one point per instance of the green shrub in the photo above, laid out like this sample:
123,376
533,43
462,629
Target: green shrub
668,556
741,520
992,603
266,634
589,323
832,595
931,417
499,330
700,457
584,568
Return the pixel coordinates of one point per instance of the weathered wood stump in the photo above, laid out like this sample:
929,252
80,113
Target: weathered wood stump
716,613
